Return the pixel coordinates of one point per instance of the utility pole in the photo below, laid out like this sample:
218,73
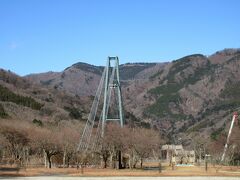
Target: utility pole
234,118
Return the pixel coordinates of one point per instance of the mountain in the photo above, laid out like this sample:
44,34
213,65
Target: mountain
82,79
188,98
24,101
192,94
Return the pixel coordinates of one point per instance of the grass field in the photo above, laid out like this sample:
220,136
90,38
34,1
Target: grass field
167,171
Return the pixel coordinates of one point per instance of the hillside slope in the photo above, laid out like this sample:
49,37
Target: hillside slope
24,101
194,94
192,97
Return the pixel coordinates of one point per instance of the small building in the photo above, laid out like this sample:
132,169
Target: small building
177,155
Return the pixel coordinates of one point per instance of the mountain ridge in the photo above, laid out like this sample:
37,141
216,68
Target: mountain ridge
193,94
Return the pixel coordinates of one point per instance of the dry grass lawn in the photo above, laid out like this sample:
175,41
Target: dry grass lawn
167,171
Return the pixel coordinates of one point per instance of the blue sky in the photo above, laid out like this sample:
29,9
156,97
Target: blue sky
43,35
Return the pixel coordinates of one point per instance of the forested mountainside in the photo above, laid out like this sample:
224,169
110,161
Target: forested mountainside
22,100
194,94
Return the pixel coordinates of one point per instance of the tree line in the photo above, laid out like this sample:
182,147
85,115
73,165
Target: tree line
27,144
45,144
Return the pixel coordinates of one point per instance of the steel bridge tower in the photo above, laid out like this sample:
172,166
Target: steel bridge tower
112,85
110,97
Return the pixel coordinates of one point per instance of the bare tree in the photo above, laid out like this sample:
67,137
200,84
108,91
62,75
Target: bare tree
115,137
104,151
69,140
3,144
215,148
234,146
83,158
145,141
16,141
111,145
47,141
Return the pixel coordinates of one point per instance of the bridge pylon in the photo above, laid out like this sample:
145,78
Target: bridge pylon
112,85
108,91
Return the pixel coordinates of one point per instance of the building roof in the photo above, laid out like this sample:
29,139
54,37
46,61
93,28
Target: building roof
172,147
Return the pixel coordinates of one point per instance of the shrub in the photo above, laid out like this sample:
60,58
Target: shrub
74,113
3,114
37,122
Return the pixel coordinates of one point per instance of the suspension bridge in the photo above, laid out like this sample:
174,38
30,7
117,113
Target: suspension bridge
106,106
